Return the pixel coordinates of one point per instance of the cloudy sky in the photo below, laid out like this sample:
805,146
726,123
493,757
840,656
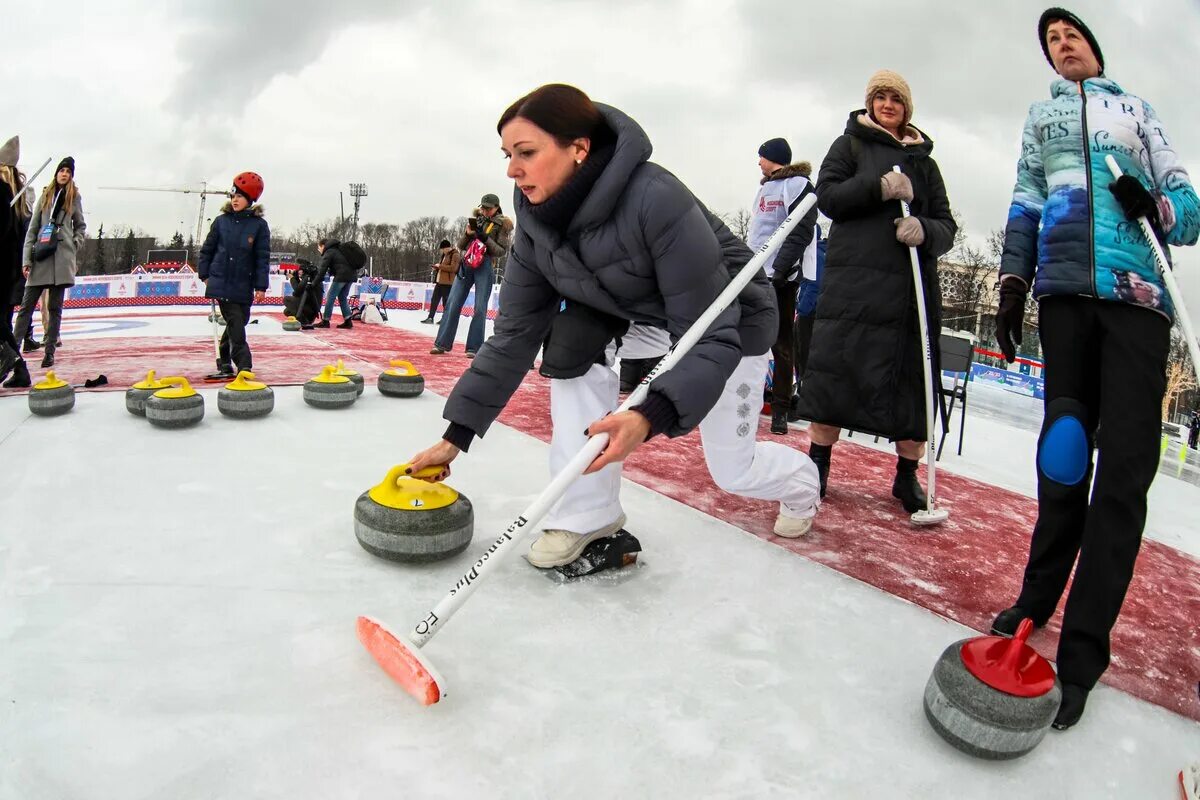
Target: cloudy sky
404,96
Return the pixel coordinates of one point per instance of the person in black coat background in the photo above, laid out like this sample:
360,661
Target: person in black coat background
864,369
235,268
13,224
335,264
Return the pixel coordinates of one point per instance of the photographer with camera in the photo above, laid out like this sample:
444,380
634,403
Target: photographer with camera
485,239
305,302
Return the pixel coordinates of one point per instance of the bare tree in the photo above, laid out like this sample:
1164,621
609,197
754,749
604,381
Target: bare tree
1181,375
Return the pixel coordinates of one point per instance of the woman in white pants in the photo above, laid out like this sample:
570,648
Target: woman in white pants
604,237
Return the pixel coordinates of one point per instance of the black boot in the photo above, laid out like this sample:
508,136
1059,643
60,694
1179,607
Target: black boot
20,377
322,324
793,414
821,455
8,360
48,359
906,488
1006,621
1074,698
30,344
779,423
346,324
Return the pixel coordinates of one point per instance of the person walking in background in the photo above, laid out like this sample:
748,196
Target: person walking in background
1072,234
335,265
484,239
235,267
781,189
1194,428
864,368
14,220
444,271
53,241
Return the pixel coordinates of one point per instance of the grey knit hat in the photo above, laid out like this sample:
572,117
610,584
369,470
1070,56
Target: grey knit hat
10,153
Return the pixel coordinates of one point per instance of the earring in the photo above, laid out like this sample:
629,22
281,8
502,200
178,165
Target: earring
578,161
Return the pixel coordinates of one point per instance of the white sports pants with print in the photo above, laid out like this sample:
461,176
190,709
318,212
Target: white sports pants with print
737,462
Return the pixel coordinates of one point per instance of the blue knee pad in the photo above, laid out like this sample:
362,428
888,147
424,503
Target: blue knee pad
1065,448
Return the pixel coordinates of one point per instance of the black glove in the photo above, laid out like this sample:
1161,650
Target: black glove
481,235
1134,199
1010,317
780,279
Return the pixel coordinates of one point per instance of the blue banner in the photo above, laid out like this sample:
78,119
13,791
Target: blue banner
1011,381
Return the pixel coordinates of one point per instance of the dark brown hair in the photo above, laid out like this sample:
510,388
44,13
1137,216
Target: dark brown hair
562,111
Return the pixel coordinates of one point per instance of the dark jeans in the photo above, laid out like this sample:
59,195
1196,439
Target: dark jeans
341,292
1193,437
25,315
481,278
1111,358
234,349
781,389
441,293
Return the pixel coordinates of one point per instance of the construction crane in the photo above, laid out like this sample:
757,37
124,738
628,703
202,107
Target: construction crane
203,191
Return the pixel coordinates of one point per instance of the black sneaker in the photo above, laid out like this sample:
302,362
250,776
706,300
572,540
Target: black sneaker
427,321
1006,621
20,377
1074,698
779,425
346,325
322,324
31,344
48,360
8,360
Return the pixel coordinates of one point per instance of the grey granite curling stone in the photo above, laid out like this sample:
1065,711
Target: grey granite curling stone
413,521
402,380
354,377
329,390
176,407
244,398
51,396
992,697
137,395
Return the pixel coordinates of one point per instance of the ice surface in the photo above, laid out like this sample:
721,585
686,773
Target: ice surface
177,619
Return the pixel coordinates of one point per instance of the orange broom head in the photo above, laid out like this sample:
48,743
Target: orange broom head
400,660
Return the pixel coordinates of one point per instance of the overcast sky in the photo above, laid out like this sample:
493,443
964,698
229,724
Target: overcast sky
404,96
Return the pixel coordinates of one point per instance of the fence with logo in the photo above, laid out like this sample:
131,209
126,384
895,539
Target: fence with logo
184,288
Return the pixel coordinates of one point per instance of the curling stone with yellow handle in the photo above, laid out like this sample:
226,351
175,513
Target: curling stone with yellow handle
291,324
51,396
354,377
245,398
137,395
177,406
402,380
413,521
330,390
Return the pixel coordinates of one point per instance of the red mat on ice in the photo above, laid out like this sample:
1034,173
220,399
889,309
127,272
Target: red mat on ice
966,569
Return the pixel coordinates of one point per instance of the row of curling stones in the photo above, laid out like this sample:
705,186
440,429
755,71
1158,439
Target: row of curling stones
993,697
172,403
412,521
51,396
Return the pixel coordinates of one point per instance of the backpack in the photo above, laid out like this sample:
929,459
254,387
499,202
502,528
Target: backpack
355,256
474,254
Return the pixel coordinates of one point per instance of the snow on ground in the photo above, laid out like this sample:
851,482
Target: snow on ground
177,620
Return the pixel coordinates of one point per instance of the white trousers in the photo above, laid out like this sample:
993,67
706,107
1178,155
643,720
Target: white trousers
737,462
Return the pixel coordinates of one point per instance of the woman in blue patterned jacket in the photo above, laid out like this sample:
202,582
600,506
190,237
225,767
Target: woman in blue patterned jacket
1104,318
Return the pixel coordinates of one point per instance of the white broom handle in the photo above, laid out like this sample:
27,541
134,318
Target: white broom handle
29,182
533,514
1164,269
927,364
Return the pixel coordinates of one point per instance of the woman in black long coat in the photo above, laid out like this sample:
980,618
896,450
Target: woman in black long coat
13,222
864,371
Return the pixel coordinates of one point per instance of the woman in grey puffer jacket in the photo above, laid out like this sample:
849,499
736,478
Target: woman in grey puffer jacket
57,216
620,240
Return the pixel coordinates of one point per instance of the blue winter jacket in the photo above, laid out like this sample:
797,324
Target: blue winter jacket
1066,233
235,257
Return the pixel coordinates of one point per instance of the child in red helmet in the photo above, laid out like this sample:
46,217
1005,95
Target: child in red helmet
234,267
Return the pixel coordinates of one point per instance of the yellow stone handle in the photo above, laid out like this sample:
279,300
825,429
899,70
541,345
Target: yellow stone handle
177,380
408,367
397,472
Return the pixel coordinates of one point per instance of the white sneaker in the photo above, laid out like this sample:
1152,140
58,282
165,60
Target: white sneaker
790,526
557,547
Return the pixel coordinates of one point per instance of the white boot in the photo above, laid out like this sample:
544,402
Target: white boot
791,525
556,548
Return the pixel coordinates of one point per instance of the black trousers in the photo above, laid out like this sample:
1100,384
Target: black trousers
1111,359
55,296
804,333
441,292
233,348
782,376
6,313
